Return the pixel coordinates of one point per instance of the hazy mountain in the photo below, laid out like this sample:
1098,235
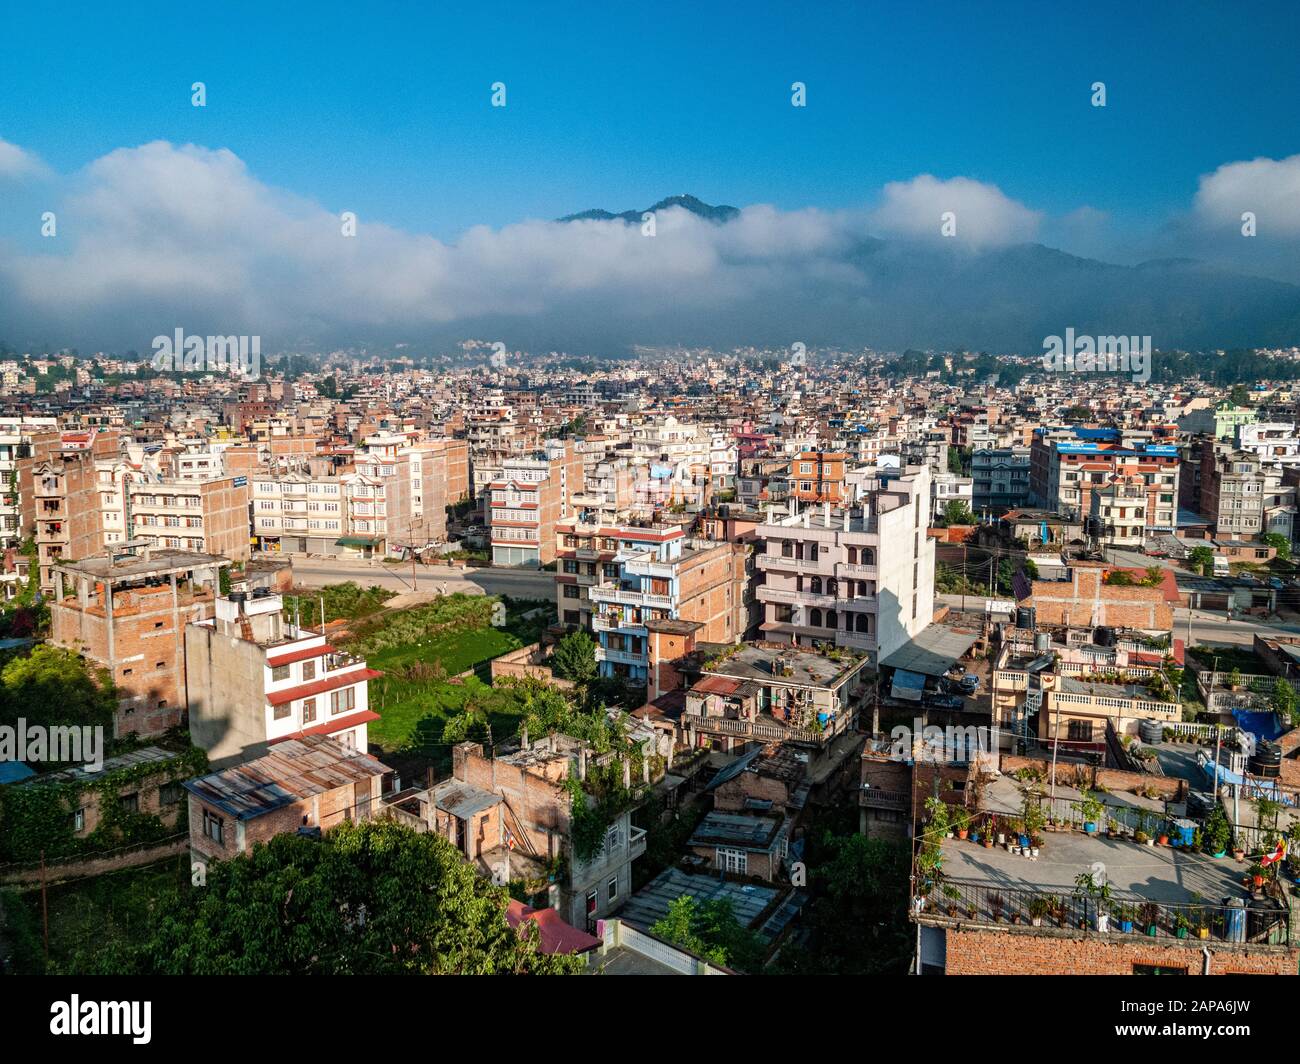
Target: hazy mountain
690,203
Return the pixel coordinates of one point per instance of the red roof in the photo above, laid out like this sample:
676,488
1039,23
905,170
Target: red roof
556,936
336,725
318,687
301,655
716,685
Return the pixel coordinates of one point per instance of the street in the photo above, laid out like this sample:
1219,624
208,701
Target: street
1207,626
518,583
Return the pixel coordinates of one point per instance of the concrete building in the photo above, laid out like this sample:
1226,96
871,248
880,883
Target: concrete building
859,577
999,479
531,496
1067,464
255,679
653,575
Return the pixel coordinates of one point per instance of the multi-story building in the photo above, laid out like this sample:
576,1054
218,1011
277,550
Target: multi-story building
860,577
949,487
128,612
206,516
298,513
1120,509
1066,465
818,477
1220,421
658,574
255,679
1000,479
531,496
1240,496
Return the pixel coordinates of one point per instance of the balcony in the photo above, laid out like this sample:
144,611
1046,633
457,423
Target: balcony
625,597
808,566
620,657
636,843
857,571
767,730
767,593
878,798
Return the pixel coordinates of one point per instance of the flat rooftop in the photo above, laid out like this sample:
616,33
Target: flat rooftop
1151,873
763,663
749,901
133,567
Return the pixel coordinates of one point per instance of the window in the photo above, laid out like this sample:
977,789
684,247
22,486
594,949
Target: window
79,820
131,802
343,700
281,711
169,793
734,862
572,591
611,888
308,670
279,672
308,710
212,827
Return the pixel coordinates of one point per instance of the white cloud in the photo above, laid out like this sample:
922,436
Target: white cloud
1270,188
985,215
16,162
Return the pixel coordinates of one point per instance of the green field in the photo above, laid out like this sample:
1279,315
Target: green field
417,695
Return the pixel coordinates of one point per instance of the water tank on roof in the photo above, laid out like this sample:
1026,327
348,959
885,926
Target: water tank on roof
1151,731
1025,617
1266,760
1104,636
1042,642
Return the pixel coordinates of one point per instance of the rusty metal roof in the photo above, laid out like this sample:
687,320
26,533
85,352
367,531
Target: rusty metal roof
293,770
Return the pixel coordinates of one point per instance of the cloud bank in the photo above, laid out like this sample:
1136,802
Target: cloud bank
170,236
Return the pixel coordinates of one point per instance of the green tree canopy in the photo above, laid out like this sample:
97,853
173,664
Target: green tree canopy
374,898
575,658
710,930
52,686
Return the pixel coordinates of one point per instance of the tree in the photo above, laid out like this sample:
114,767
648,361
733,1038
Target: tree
374,898
52,686
956,512
1201,560
1279,543
575,658
1284,702
711,930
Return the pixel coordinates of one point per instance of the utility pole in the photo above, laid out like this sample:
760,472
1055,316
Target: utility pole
45,911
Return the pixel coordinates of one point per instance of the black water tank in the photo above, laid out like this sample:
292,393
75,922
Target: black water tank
1025,617
1151,731
1104,637
1267,759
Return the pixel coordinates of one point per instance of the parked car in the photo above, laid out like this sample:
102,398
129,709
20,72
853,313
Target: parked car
969,684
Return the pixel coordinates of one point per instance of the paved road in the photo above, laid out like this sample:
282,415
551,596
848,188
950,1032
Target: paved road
519,583
1208,626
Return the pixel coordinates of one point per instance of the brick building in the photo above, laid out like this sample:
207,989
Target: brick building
128,613
1084,600
309,782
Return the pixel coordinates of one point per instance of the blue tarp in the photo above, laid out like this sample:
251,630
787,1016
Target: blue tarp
1260,724
908,685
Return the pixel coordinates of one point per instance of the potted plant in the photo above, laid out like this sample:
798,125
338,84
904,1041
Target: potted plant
1217,834
961,818
1124,917
1112,828
1039,906
995,907
1182,925
1149,917
1092,810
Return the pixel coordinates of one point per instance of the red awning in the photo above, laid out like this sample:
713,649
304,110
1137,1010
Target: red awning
556,936
301,655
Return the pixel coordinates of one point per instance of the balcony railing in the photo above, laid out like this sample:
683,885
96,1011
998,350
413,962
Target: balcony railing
1258,921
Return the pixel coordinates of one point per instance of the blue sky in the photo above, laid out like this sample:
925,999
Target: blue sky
383,108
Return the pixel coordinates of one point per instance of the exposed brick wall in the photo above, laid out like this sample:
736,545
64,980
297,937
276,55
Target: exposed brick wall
1018,953
1086,600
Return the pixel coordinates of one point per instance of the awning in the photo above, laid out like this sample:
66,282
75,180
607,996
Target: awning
908,685
932,652
356,541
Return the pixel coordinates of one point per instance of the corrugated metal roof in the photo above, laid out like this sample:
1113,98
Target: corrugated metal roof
931,651
293,770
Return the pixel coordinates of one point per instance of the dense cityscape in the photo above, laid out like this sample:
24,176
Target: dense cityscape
431,546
